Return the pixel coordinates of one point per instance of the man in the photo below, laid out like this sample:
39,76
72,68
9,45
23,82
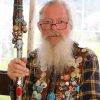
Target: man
59,69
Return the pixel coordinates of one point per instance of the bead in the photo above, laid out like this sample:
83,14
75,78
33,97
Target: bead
39,89
14,41
78,96
15,28
24,23
19,82
24,29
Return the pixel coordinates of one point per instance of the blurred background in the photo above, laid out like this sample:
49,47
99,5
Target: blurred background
86,19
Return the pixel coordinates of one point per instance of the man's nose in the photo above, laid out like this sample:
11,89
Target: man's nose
53,26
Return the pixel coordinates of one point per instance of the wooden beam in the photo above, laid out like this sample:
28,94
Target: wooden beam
31,27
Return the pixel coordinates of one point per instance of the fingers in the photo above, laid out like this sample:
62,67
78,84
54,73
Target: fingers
24,60
17,68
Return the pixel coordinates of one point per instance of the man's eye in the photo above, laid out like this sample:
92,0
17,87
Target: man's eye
61,21
46,22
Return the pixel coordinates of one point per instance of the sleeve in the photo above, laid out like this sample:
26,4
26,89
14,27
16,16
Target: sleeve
12,86
12,90
91,78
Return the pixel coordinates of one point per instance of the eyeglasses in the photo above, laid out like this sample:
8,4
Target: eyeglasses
47,24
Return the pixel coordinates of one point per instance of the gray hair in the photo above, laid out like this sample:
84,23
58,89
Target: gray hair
53,2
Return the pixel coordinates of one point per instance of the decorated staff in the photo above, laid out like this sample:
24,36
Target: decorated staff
19,27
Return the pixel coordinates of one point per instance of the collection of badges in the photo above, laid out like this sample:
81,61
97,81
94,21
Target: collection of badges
40,85
67,88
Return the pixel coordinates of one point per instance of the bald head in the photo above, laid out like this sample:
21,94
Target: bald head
55,3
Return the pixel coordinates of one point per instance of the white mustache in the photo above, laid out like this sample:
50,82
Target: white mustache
53,34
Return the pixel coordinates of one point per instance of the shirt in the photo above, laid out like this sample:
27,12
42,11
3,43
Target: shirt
79,83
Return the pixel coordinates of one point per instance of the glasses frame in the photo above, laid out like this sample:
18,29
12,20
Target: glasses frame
50,24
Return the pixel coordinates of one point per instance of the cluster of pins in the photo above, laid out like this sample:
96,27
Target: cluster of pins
18,29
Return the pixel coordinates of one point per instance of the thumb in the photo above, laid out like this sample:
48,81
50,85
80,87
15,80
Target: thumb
24,59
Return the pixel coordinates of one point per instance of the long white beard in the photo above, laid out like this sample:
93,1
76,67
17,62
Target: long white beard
59,56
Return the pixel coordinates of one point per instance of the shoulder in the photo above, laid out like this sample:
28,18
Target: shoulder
89,57
87,53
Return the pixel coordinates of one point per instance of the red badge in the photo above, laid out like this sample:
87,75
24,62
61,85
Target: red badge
18,91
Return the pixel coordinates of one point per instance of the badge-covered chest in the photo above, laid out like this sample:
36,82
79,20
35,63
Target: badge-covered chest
51,85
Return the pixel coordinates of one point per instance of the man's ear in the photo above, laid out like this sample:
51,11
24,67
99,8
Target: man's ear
39,26
70,27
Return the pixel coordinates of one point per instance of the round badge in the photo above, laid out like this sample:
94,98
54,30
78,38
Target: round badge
67,83
67,93
72,79
62,84
39,97
34,94
43,74
43,69
76,65
42,79
51,96
77,70
84,50
73,88
44,84
78,88
74,83
79,59
38,83
73,74
60,88
39,89
66,77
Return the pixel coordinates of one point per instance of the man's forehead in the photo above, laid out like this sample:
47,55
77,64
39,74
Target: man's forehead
55,10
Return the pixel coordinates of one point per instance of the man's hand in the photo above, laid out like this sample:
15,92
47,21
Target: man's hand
17,68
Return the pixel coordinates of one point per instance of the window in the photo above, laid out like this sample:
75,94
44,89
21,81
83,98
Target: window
86,20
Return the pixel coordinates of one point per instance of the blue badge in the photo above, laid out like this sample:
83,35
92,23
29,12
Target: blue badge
51,96
39,89
78,88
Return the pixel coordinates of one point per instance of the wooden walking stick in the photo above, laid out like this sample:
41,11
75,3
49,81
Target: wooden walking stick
19,27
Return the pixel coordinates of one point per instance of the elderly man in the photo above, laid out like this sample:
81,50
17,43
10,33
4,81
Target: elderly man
59,69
